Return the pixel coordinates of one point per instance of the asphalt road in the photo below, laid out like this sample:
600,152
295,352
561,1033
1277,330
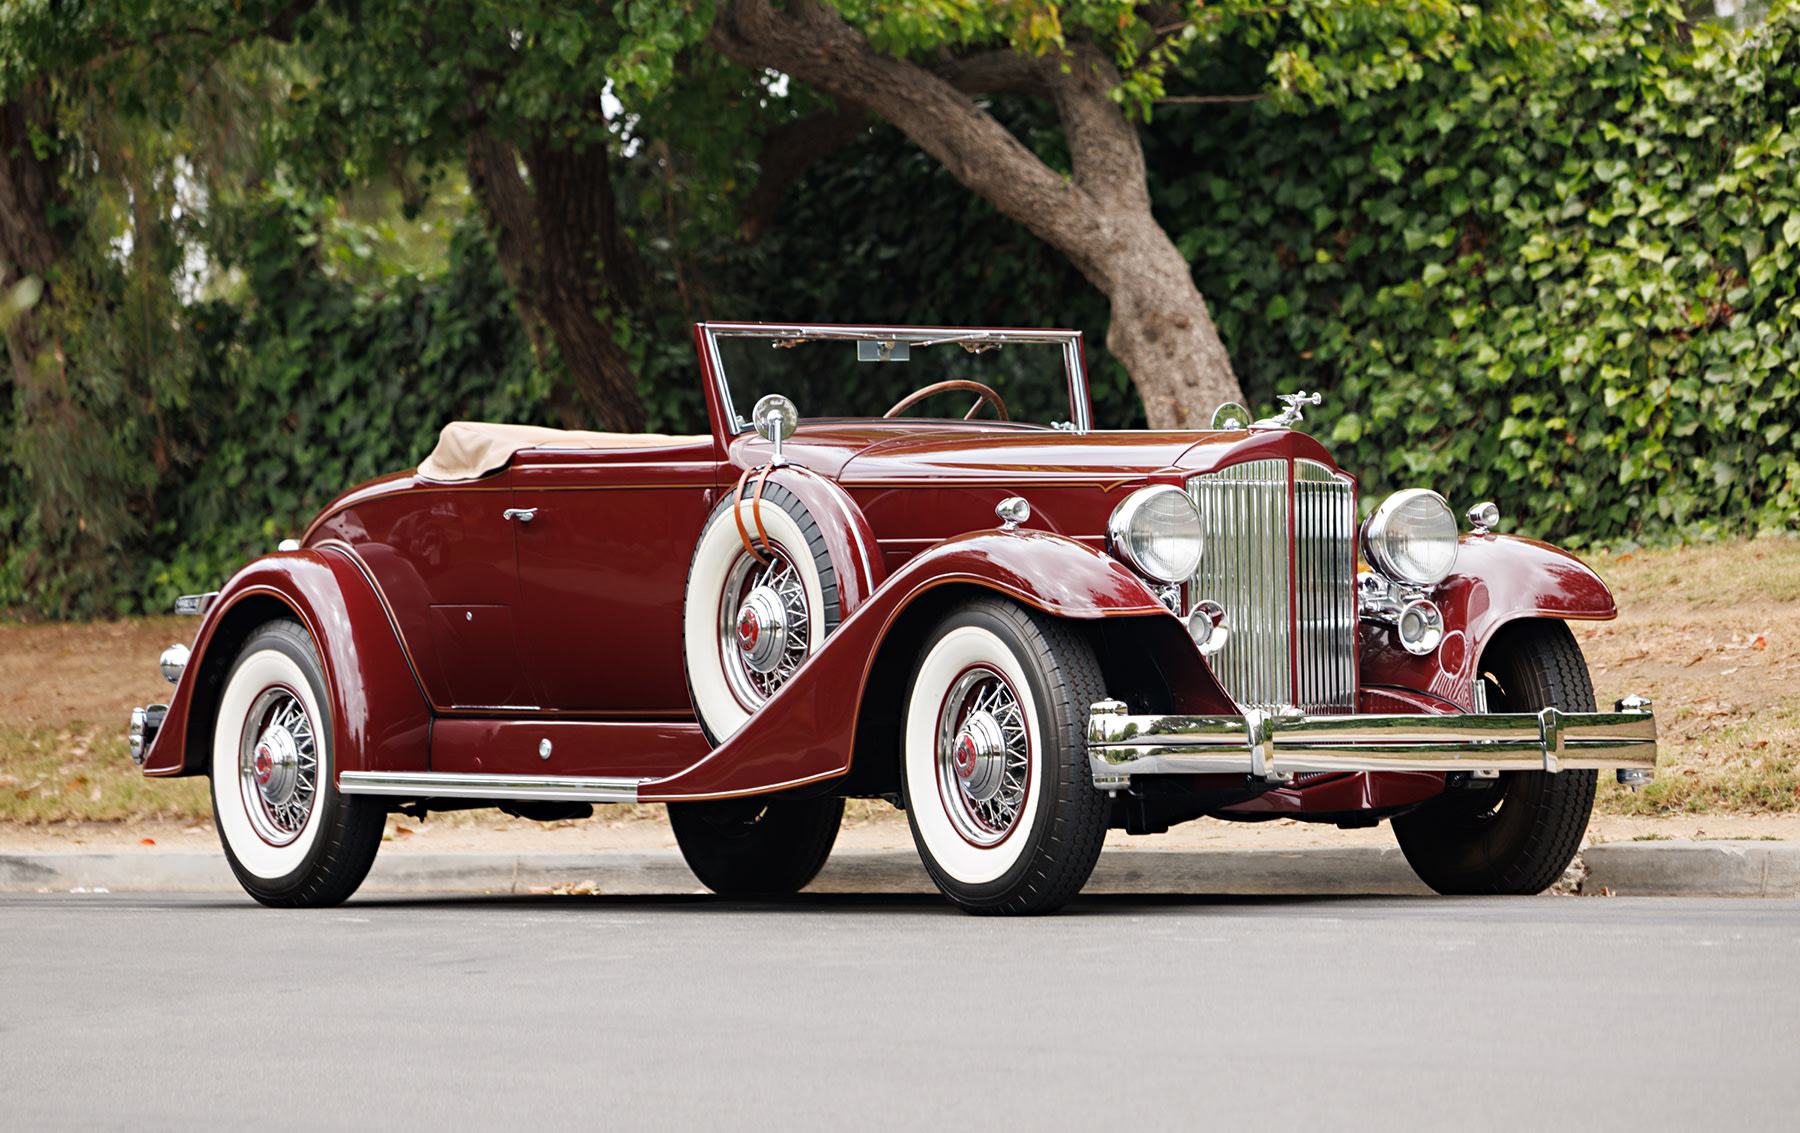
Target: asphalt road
838,1012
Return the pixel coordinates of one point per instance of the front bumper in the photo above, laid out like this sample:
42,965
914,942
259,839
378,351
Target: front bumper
1273,748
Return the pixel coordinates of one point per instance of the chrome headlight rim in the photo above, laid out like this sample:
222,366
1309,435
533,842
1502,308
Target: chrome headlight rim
1126,533
1380,532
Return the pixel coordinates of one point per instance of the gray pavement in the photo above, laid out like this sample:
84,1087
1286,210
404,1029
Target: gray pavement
1646,869
849,1012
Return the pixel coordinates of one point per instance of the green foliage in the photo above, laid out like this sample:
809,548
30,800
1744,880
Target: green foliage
881,233
310,387
1572,291
1563,279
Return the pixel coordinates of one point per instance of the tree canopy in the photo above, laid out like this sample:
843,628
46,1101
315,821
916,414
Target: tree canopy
1537,251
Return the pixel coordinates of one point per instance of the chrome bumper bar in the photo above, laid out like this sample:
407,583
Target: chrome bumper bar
1273,747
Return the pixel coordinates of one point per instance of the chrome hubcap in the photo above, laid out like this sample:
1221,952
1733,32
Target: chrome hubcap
984,757
765,631
278,766
762,629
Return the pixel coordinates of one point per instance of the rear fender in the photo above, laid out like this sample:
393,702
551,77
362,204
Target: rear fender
380,719
808,730
1499,579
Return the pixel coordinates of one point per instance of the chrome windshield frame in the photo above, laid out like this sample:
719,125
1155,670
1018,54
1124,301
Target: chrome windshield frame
1074,367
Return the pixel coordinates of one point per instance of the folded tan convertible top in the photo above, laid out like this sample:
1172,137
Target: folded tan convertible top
469,450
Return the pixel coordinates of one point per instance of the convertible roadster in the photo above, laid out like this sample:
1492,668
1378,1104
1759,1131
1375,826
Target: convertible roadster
1021,629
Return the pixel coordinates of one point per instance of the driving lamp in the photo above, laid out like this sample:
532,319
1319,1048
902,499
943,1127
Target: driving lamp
1420,627
1412,537
1156,531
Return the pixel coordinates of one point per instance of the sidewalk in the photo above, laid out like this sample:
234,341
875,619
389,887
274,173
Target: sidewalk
876,856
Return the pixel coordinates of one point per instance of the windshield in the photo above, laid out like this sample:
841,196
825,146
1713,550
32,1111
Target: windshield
1028,377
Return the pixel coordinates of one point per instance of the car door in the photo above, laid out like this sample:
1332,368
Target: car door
443,556
602,568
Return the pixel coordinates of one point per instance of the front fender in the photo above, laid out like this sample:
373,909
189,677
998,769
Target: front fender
1499,579
806,732
380,719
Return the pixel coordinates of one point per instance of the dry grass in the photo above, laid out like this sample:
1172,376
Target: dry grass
83,773
1711,633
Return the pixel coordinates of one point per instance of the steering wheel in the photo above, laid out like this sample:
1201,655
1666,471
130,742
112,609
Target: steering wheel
987,394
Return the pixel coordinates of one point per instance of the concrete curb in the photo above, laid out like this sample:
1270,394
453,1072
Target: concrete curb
1633,869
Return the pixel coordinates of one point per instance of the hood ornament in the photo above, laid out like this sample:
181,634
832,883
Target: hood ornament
1292,415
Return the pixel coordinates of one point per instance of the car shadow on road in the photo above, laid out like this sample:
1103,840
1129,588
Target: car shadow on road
870,903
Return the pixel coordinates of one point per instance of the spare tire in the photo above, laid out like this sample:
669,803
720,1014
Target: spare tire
749,620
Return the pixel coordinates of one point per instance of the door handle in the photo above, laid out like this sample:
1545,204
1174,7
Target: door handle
522,514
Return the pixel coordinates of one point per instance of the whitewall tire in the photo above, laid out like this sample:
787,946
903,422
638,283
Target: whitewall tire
749,622
290,837
994,768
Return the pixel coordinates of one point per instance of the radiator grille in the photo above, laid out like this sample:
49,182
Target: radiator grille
1274,601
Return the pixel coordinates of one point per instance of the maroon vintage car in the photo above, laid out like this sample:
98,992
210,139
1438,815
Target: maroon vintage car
1023,630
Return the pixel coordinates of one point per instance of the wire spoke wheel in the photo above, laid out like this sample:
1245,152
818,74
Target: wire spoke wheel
278,766
984,757
765,631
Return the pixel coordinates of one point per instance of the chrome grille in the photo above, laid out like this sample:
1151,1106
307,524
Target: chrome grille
1244,567
1325,567
1248,512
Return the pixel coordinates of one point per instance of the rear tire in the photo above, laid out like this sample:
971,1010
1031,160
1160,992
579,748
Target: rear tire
994,763
292,840
756,847
1517,835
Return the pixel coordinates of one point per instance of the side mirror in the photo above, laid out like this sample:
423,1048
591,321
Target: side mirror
774,410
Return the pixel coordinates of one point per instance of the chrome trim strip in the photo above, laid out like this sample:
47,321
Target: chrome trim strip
455,785
1275,746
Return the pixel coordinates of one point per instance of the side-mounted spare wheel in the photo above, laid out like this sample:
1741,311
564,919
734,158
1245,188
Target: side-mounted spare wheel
750,618
290,837
1518,833
994,759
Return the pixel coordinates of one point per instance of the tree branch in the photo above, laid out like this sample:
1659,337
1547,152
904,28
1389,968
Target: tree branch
994,72
1190,99
788,152
811,42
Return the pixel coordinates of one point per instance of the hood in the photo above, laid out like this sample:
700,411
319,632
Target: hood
866,452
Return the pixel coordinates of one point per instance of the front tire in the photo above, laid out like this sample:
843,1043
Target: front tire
756,848
292,840
994,765
1517,835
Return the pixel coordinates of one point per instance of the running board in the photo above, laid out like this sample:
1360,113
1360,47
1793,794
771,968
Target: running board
453,785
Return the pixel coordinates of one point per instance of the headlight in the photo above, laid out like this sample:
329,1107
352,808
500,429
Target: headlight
1157,531
1412,537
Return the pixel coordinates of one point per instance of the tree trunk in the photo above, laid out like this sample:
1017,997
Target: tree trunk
568,263
1100,218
